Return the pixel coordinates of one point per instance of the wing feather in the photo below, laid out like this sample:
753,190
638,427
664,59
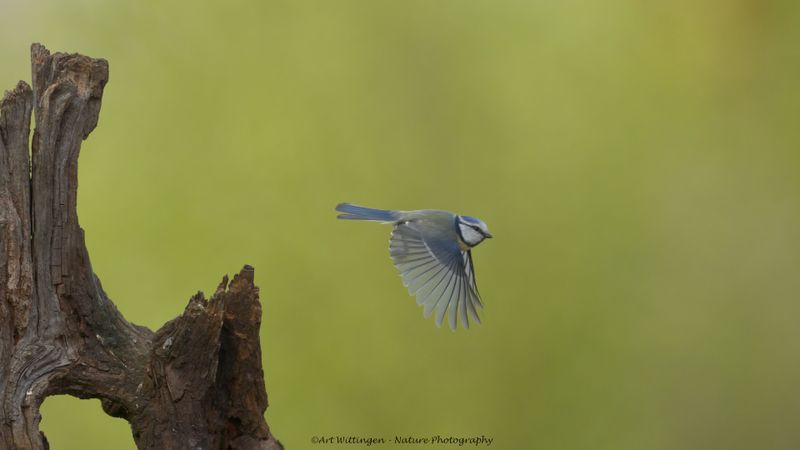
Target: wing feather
425,280
442,304
454,303
426,294
437,271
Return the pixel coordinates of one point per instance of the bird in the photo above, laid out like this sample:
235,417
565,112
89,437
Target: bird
432,250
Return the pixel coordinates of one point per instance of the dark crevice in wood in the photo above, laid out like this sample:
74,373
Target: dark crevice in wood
196,383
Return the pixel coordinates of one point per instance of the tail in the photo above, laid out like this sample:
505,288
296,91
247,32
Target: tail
353,212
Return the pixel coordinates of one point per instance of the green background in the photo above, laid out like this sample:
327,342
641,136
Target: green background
638,163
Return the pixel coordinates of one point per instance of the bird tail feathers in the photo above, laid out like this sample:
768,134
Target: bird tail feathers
355,212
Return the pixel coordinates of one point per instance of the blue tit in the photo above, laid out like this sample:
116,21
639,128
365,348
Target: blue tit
432,251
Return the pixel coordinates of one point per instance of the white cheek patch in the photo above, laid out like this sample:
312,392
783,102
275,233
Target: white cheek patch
470,235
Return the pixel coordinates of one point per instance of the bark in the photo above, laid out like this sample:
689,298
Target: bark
197,383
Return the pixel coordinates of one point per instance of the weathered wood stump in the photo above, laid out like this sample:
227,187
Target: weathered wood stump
197,383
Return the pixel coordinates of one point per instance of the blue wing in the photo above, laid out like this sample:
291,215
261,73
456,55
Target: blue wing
437,271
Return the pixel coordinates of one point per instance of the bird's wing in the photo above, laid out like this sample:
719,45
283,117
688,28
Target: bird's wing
437,271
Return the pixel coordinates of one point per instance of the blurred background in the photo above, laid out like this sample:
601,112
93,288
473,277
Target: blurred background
638,163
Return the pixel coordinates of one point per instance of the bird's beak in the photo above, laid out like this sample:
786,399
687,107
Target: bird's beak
488,235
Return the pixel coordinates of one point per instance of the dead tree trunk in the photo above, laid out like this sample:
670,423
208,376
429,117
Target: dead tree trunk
197,383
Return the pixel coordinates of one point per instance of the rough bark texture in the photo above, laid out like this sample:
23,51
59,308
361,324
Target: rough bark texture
197,383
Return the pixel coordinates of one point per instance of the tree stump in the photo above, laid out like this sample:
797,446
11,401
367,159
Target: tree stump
197,383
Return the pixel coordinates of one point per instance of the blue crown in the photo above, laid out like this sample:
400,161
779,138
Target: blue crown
471,220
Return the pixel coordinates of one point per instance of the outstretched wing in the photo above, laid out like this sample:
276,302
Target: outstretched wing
437,271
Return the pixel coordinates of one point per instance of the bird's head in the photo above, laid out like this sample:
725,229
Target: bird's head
471,230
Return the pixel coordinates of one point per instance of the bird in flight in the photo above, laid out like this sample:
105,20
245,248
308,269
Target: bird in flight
432,251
